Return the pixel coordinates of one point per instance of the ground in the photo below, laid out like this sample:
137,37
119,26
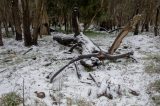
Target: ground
20,71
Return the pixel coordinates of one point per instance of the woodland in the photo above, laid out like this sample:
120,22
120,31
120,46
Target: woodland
79,52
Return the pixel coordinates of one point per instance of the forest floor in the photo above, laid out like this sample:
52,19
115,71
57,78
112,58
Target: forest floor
21,71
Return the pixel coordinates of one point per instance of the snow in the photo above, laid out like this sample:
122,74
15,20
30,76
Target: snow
34,66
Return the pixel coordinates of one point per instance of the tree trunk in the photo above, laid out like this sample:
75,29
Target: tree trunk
44,21
36,21
16,20
137,25
1,42
147,26
6,27
156,22
26,23
75,23
123,33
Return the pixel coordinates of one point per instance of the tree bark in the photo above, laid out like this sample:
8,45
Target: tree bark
36,20
88,56
16,19
137,25
1,42
75,22
156,22
123,33
26,23
6,27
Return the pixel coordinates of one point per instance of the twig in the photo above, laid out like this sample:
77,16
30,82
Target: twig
77,71
27,51
86,82
94,80
3,71
133,59
69,58
115,30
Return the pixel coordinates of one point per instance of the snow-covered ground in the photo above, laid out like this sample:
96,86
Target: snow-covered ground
33,67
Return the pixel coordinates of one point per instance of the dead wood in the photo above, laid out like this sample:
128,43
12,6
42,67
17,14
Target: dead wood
92,54
112,90
94,80
129,27
117,29
88,56
27,51
74,46
77,71
65,40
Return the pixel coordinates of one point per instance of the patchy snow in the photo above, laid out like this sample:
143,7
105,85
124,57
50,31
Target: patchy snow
34,66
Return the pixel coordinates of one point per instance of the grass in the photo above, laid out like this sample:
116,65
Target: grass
156,100
10,99
153,66
92,33
156,87
88,69
78,102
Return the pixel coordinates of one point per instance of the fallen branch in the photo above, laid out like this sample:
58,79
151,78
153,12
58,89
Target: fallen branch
27,51
77,71
112,90
94,80
105,56
115,30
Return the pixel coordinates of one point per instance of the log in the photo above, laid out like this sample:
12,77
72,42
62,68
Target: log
64,39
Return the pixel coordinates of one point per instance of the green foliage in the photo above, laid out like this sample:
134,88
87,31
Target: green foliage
88,69
92,33
10,99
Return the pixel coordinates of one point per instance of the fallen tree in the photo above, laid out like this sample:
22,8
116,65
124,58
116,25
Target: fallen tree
91,54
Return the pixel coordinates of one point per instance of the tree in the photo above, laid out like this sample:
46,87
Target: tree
40,20
26,23
156,21
1,42
16,19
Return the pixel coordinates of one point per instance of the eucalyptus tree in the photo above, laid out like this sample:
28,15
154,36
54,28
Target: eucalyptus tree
26,22
17,19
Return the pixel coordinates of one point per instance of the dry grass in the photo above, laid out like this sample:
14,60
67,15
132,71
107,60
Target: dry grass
153,65
10,99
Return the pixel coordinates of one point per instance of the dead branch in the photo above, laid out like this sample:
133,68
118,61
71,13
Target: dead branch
129,27
27,51
115,29
105,56
94,80
77,71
